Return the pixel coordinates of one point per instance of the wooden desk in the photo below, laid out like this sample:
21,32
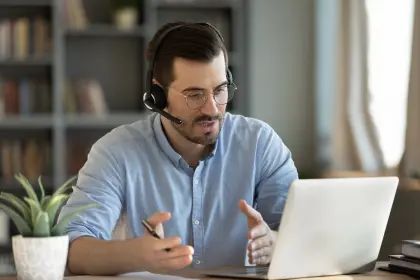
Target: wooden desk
374,275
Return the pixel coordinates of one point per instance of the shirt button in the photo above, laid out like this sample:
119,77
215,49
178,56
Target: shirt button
196,222
196,182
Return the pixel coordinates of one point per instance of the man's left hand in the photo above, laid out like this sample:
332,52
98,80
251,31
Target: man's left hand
260,249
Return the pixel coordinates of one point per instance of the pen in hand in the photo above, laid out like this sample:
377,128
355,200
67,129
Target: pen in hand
152,231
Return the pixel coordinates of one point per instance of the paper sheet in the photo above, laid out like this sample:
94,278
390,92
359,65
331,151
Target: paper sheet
131,275
148,275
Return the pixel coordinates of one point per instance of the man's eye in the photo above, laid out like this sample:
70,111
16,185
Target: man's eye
220,90
195,95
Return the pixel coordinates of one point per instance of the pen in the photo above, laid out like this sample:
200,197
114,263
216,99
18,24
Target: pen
152,231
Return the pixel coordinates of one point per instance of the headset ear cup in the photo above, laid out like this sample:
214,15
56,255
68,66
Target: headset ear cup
159,96
229,76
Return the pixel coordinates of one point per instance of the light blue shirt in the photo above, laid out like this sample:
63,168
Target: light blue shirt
134,170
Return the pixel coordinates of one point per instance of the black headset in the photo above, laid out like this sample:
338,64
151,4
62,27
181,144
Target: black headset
155,98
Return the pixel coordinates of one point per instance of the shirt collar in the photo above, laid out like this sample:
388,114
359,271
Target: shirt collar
166,147
173,156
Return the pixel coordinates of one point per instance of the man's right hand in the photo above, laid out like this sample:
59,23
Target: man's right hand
149,251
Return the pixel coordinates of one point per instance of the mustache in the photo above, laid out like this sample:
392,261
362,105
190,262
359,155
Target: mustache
208,118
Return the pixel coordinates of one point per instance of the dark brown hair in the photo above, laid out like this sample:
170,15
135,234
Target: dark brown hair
193,42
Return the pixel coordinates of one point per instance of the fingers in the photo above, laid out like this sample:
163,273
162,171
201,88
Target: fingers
176,263
261,255
170,243
258,231
260,260
260,250
176,252
156,222
158,218
261,242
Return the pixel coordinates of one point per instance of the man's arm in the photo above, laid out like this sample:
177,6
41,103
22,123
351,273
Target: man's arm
277,171
100,181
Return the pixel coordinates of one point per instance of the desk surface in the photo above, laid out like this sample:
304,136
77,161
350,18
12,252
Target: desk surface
374,275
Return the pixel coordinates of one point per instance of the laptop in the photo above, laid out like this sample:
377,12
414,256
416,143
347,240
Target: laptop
329,227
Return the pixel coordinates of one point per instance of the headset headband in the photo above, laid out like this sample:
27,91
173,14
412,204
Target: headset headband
149,78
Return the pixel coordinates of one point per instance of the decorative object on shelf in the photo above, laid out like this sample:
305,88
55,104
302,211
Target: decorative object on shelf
40,250
125,13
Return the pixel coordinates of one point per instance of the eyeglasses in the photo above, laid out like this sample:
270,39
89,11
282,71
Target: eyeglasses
197,98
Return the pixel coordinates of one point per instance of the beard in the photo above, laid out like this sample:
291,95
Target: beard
187,129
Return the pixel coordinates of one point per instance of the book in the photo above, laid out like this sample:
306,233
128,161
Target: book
410,248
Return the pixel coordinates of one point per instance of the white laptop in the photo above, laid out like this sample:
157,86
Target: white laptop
329,227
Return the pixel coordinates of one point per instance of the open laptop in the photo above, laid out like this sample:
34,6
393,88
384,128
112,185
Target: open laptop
329,227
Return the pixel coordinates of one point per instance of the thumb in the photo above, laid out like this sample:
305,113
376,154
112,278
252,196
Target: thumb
156,221
253,215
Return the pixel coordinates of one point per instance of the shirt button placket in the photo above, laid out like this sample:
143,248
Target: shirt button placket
196,217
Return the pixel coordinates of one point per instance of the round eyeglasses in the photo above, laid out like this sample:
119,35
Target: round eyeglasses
196,98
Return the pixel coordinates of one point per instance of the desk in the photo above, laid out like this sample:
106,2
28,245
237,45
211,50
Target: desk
374,275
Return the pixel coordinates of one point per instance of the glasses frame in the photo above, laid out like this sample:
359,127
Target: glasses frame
233,85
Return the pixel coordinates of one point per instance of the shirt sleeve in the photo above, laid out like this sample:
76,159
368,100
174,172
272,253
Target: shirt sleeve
277,172
99,181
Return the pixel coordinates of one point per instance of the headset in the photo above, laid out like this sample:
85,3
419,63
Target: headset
155,98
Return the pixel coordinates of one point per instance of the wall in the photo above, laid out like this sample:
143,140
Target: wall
281,72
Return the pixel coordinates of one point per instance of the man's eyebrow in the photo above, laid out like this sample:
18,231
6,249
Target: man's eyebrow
200,88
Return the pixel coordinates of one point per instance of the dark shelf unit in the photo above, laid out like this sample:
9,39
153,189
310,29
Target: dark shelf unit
113,57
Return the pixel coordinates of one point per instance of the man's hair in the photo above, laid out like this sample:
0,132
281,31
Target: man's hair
193,42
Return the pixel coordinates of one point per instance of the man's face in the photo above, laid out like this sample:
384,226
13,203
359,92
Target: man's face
200,125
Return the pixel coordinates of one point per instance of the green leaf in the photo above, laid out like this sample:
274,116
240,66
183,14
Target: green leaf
54,205
21,225
35,209
42,225
41,187
64,186
19,204
46,201
28,187
59,228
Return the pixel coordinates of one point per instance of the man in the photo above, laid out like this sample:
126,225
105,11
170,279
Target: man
213,185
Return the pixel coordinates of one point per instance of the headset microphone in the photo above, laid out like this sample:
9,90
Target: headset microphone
150,104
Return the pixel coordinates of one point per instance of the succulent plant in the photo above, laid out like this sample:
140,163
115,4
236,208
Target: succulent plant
35,216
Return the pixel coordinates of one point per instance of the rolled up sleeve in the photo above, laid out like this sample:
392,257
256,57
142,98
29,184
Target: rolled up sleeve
99,181
277,172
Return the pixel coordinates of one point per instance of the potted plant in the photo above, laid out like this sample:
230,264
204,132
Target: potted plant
125,13
40,250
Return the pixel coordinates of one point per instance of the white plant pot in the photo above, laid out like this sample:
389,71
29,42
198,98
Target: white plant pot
126,18
40,258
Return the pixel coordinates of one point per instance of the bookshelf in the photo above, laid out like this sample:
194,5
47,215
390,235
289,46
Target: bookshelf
65,50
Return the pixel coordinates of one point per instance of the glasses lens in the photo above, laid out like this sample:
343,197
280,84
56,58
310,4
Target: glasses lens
222,96
196,99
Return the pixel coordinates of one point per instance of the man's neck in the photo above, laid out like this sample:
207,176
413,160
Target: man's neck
191,152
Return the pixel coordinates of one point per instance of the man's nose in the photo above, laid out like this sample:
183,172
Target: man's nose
210,106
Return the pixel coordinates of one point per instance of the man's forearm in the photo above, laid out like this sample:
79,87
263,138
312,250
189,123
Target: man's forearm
92,256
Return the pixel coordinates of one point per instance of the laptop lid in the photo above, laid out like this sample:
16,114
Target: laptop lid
330,227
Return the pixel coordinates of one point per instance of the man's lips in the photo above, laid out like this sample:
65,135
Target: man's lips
206,123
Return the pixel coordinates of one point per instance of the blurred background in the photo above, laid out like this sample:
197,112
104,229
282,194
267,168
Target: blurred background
336,79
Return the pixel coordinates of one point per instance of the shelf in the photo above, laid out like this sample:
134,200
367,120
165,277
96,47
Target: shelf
107,121
29,121
211,4
30,61
26,3
105,30
13,186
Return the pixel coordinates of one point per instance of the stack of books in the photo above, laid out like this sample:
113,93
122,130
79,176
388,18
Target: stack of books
408,261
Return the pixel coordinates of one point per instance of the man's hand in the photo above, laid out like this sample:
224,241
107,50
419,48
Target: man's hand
260,249
149,251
